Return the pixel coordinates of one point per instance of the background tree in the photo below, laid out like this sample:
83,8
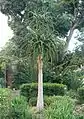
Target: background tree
66,15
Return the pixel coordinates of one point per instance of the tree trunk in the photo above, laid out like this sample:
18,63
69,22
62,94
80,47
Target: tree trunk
68,38
8,76
40,102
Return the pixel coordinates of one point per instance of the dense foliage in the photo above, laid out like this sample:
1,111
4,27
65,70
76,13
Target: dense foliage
62,108
5,100
20,109
81,94
13,108
59,109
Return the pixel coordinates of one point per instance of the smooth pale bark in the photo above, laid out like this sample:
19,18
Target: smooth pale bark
40,102
68,38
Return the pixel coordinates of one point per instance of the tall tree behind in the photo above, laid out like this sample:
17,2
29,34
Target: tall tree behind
66,15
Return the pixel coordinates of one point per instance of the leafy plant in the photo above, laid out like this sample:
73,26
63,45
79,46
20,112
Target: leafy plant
81,94
13,108
72,79
60,109
20,109
5,100
73,94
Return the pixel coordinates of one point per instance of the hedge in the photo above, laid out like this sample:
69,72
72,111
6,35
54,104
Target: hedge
50,89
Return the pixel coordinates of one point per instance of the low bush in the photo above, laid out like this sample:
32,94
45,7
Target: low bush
50,89
13,108
72,79
20,109
51,99
60,109
81,94
73,94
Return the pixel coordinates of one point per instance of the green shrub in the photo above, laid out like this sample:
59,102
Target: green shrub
81,94
13,108
20,109
73,94
5,100
51,99
60,109
50,89
73,80
32,101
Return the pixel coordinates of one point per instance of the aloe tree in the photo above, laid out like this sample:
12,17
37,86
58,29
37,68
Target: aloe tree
35,37
41,41
33,27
